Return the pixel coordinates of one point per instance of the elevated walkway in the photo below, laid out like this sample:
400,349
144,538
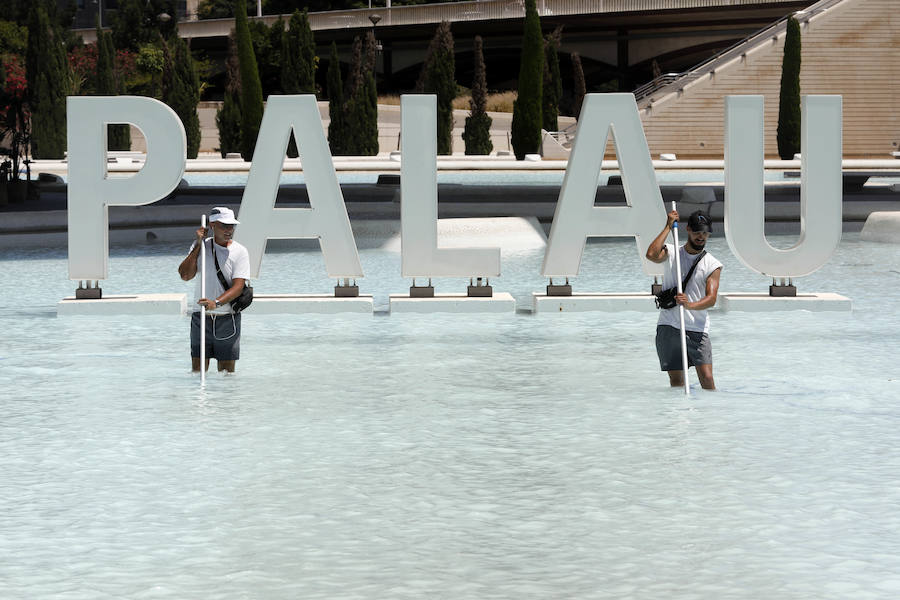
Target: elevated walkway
849,48
479,10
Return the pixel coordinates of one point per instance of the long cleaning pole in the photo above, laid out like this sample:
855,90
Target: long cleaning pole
203,307
684,361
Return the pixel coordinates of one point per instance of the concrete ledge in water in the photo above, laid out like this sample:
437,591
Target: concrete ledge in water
762,302
299,304
882,226
137,304
727,301
585,302
501,302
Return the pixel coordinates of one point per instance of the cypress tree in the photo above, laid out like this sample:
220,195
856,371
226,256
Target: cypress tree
228,118
367,103
361,110
47,73
477,133
335,90
352,145
270,60
105,83
183,93
118,136
552,87
789,96
306,51
580,86
298,60
290,76
251,88
440,80
526,123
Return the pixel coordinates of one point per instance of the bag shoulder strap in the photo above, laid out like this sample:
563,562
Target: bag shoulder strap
686,278
225,284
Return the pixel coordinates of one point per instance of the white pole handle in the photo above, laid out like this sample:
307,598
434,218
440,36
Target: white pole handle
203,307
684,361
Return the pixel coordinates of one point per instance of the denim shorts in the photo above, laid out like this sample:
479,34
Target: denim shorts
223,336
668,348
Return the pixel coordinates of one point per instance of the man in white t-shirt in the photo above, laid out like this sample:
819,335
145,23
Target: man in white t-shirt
699,294
223,325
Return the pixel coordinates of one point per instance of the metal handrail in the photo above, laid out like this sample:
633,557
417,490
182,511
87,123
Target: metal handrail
711,64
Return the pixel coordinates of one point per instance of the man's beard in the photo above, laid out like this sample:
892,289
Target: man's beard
695,246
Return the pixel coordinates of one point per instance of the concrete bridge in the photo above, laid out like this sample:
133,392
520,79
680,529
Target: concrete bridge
623,43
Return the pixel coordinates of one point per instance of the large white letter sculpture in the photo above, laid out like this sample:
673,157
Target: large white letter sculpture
820,192
91,192
327,218
576,218
419,252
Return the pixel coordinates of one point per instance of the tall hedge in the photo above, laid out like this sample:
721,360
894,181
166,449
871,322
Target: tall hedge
47,73
336,126
228,118
440,79
526,123
552,85
477,132
183,93
251,88
789,97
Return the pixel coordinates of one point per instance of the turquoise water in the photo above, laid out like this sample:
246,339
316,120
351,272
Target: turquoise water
448,456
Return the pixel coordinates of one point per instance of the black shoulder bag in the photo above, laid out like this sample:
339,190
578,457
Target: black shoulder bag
666,298
246,295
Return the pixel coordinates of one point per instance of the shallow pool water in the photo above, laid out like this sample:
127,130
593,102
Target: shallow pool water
448,456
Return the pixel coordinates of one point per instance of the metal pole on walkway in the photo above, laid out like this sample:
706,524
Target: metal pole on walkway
684,361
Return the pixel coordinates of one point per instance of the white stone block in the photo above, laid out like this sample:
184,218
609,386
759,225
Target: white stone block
882,226
763,302
501,302
584,302
138,304
298,304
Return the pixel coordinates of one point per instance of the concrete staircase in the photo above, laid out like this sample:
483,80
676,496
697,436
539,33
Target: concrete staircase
850,48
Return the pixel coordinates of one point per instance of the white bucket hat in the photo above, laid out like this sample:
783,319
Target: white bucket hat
223,215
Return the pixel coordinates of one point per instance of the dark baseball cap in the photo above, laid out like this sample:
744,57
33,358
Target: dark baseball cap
699,222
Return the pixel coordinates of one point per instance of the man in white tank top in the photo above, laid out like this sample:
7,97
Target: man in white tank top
699,294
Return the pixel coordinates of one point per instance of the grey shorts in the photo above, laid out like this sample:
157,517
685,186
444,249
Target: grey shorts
668,348
223,336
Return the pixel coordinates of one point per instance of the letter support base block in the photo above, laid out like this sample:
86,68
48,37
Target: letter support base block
501,302
297,304
762,302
